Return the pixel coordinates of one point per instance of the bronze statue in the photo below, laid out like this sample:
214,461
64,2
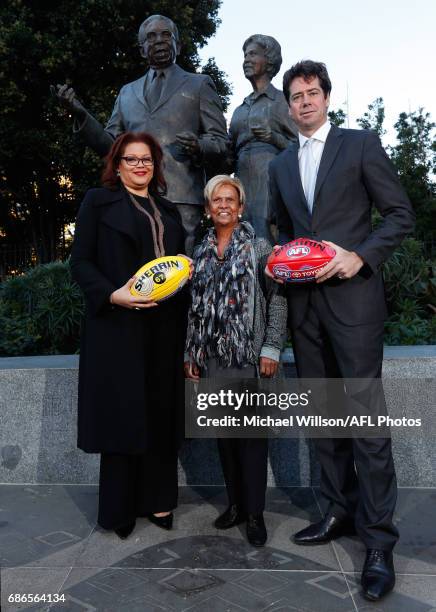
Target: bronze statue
180,109
260,128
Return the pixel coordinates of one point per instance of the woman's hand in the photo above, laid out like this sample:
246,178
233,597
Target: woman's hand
123,297
192,371
268,367
276,247
191,264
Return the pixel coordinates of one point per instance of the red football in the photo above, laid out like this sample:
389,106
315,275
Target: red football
298,260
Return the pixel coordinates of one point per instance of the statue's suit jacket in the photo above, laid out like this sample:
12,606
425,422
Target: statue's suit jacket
354,173
189,102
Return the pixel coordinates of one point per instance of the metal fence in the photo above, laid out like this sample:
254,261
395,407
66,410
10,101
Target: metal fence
16,259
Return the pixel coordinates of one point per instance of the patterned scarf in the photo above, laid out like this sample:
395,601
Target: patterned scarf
219,320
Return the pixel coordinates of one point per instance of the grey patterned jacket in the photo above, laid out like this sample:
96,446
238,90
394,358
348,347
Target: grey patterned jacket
269,307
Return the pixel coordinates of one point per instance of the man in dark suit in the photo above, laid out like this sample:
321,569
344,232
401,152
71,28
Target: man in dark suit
323,187
180,109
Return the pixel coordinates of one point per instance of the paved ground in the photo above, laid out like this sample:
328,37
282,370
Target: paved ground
49,544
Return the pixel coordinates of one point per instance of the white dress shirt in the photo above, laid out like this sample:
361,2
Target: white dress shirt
309,158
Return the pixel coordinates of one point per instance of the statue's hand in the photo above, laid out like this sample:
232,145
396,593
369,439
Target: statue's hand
264,134
189,143
67,97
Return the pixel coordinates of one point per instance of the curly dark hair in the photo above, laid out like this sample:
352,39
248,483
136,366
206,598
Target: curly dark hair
109,177
307,69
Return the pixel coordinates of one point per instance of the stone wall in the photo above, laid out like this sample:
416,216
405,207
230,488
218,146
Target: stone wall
38,397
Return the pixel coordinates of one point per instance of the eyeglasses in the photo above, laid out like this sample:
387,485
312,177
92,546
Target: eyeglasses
131,160
165,35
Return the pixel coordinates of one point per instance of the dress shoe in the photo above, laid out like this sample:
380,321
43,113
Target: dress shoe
231,517
378,575
256,530
124,531
164,522
326,530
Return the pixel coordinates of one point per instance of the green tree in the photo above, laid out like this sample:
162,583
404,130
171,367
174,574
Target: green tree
410,283
40,312
414,155
219,77
44,169
337,117
374,117
410,272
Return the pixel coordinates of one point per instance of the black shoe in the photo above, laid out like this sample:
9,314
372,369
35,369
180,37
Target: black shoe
231,517
256,530
378,575
326,530
164,522
125,531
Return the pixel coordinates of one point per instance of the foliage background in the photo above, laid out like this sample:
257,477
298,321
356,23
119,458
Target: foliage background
92,45
45,170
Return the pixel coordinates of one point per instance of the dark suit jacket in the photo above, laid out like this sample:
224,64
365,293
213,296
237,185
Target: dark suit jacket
189,102
354,173
114,355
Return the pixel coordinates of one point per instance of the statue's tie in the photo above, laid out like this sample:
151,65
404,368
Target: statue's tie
155,90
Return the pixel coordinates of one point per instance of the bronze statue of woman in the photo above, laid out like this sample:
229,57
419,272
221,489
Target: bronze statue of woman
260,128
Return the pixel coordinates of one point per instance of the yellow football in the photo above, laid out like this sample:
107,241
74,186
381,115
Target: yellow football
161,278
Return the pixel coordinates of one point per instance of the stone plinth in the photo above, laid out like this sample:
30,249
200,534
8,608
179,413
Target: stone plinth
38,398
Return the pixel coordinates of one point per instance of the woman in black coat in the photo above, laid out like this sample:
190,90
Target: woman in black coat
131,383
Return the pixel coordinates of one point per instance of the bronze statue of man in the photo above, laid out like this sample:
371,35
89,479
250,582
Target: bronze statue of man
260,128
180,109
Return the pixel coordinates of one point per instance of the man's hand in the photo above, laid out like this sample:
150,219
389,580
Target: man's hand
189,143
123,297
268,273
264,134
67,97
192,371
344,265
268,367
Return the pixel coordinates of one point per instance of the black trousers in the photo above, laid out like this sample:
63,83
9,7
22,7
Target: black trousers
357,475
135,485
244,463
244,460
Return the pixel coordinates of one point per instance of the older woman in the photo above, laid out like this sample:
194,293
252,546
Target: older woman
236,328
260,128
131,360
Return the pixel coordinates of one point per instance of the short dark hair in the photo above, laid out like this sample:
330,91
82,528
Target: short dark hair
272,50
307,69
109,177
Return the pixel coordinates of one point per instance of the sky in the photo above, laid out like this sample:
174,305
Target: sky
372,48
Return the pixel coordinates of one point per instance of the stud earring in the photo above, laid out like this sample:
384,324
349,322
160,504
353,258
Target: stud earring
118,173
208,216
239,216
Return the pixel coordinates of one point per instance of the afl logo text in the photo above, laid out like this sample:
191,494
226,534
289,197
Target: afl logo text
298,251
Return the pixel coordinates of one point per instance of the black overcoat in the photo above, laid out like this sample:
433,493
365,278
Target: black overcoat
131,362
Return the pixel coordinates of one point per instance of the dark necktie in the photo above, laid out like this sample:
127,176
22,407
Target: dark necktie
154,91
